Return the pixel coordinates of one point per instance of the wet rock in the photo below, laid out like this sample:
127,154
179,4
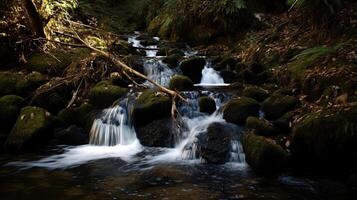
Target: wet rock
180,83
256,93
238,110
8,82
170,51
277,105
192,67
148,41
228,76
260,126
136,62
104,94
149,106
54,100
73,135
30,83
263,155
227,62
326,142
32,130
207,104
214,145
282,125
172,60
122,47
10,107
158,133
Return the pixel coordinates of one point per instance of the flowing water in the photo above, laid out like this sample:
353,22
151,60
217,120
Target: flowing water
116,166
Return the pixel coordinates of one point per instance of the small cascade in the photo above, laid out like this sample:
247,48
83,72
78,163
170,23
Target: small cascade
158,71
211,77
151,52
113,127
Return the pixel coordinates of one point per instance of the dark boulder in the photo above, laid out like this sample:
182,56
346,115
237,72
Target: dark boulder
180,83
149,106
172,60
73,135
30,83
238,110
207,104
32,130
158,133
8,82
263,155
277,105
192,67
10,107
326,142
256,93
260,126
104,94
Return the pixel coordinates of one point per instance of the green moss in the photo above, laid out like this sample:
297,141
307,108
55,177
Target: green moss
263,155
172,60
322,136
55,61
30,83
256,93
262,127
32,129
150,106
8,82
180,83
10,107
104,94
69,116
207,104
277,105
238,110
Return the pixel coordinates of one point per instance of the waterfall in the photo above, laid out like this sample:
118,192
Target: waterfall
158,71
113,127
211,77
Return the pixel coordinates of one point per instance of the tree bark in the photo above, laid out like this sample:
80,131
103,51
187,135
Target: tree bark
34,18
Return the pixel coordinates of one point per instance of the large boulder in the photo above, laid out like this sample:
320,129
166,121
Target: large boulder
8,82
256,93
207,104
172,60
30,83
263,155
238,110
10,107
73,135
260,126
180,83
214,145
32,130
104,94
277,105
326,142
158,133
192,67
54,100
149,106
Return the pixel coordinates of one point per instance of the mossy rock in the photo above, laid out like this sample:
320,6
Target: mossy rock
326,142
73,135
207,104
263,155
32,130
69,116
82,116
8,81
55,61
104,94
180,83
158,133
256,93
53,101
192,67
238,110
10,107
30,83
225,62
122,47
172,60
149,106
262,127
283,124
277,105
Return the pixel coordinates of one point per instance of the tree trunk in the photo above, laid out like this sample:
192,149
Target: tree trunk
34,18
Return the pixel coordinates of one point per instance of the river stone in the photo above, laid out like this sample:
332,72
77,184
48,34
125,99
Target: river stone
263,155
10,107
8,82
73,135
260,126
192,67
277,105
32,130
238,110
151,105
172,60
180,83
104,94
158,133
326,142
256,93
30,83
207,104
214,145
